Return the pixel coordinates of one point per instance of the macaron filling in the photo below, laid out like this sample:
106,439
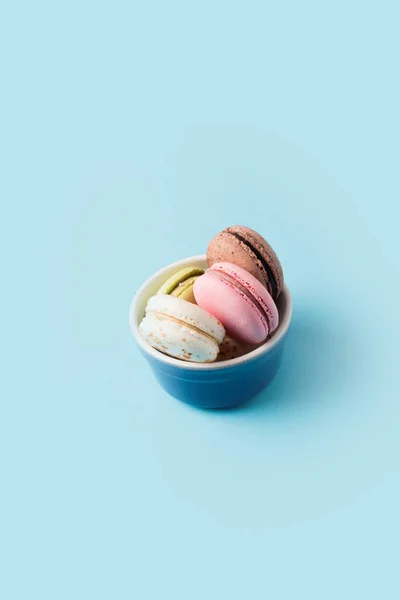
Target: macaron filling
185,277
183,286
164,317
260,258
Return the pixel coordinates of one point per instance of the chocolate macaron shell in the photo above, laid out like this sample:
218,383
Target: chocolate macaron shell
246,248
270,264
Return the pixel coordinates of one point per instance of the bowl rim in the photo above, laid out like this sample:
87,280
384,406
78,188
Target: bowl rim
224,364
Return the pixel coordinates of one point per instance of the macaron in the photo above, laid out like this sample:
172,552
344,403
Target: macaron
230,349
181,284
239,301
246,248
181,329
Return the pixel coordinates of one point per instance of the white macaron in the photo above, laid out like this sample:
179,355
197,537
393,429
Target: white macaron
181,329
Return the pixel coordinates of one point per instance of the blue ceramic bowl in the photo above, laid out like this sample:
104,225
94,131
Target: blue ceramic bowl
211,385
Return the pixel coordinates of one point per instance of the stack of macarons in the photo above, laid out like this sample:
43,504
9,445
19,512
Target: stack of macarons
221,313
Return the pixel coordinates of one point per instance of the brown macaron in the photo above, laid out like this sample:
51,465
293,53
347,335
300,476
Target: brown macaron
230,349
246,248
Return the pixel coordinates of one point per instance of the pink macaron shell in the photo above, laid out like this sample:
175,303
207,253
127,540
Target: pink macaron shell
240,316
253,285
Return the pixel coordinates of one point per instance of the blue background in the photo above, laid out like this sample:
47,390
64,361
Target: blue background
130,134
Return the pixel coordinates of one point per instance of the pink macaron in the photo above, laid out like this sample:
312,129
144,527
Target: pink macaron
239,301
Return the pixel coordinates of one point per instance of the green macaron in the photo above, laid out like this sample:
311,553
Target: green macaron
181,284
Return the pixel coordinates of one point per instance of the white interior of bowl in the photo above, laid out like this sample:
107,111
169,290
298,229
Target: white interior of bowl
150,287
